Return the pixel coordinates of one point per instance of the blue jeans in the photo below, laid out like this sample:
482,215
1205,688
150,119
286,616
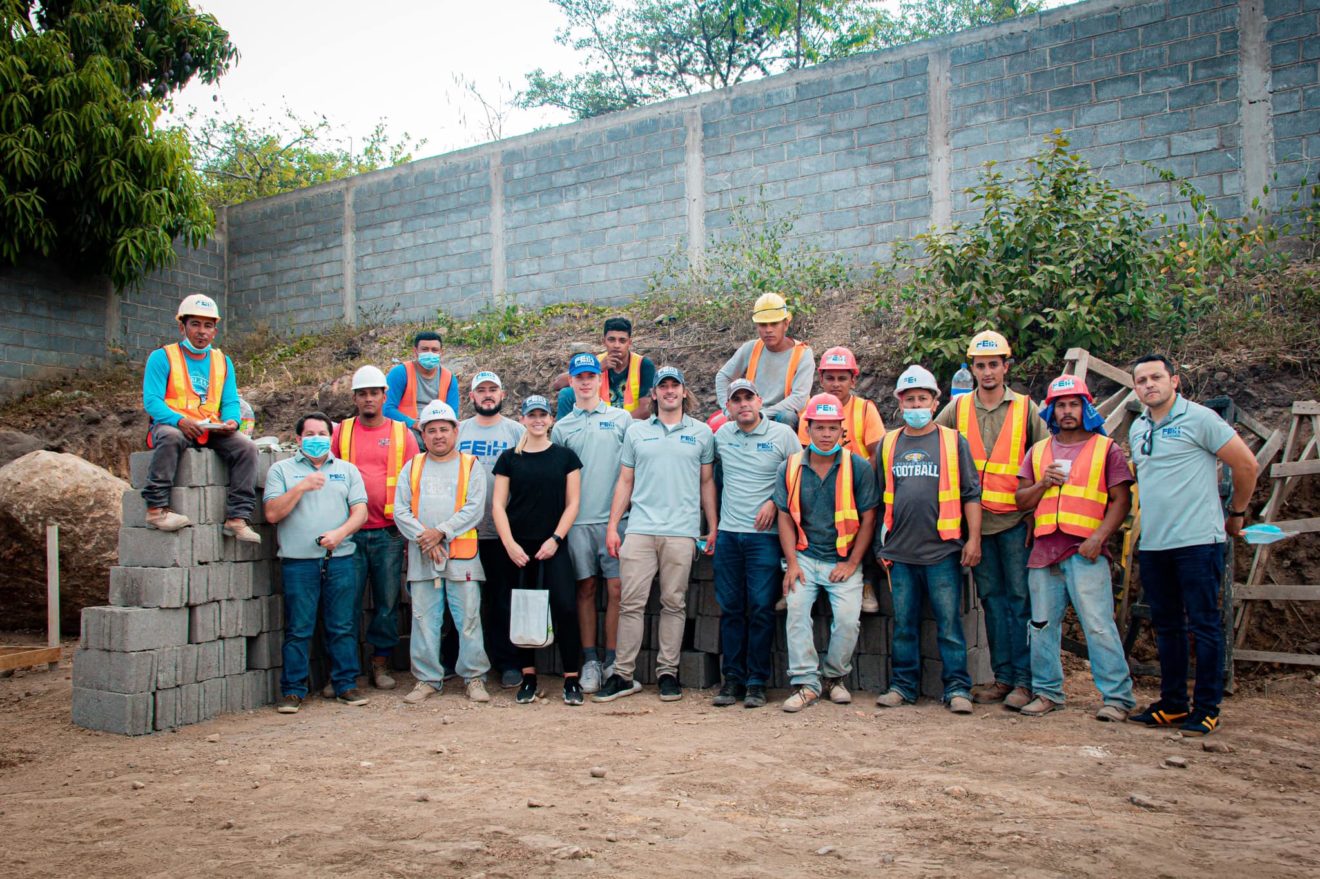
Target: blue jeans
1001,584
1089,586
1182,588
304,590
379,558
429,598
747,585
804,666
941,582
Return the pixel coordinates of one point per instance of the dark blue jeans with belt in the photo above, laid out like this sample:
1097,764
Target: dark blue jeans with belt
1182,588
306,590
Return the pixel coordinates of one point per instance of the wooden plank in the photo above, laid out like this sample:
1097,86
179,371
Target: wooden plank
1271,656
1270,592
1251,424
1113,401
1111,372
1078,362
23,657
1119,416
1295,468
53,590
1298,526
1266,452
1306,407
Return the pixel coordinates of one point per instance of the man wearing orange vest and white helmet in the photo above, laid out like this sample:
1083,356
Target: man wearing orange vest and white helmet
1080,487
190,393
999,426
438,503
779,366
415,383
826,498
378,447
862,431
929,493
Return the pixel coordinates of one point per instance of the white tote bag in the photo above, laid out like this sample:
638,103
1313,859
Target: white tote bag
529,617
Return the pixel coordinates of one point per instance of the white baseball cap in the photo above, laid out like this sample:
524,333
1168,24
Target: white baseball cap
485,376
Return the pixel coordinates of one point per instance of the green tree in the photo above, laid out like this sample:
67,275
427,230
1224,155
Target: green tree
636,52
85,175
241,158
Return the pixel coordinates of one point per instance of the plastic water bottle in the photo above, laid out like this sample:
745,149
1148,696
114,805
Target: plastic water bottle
962,382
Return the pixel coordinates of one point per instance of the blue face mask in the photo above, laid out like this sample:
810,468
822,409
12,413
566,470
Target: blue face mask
822,452
428,360
193,348
916,418
315,446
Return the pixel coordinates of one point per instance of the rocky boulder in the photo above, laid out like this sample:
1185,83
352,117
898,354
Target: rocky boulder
15,444
86,502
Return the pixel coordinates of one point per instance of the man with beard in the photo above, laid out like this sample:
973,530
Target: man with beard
485,436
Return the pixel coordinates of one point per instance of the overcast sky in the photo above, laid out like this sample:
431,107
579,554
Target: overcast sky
358,62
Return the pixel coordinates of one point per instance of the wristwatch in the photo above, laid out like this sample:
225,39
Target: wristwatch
556,538
1237,514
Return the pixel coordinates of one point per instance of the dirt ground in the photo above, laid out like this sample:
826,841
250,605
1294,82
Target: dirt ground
453,789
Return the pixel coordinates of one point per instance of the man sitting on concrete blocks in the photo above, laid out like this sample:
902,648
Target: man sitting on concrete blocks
781,367
190,393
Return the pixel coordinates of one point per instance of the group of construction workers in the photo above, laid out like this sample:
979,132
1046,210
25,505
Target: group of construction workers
793,496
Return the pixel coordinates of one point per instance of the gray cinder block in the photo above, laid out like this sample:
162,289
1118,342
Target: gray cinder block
128,714
148,587
272,617
199,583
204,622
212,700
210,661
231,619
235,656
114,671
129,629
697,669
254,613
707,635
265,651
149,548
207,544
167,708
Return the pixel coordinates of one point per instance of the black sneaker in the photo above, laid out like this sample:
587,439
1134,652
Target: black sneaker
1159,714
527,692
616,687
670,691
572,691
288,704
729,694
755,696
1200,723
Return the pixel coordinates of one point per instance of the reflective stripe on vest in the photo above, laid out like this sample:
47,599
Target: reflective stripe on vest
1078,506
846,520
632,388
179,394
398,441
793,360
857,436
998,470
408,402
462,546
949,520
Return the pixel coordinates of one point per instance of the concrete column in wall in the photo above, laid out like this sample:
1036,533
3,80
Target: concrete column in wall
222,235
1255,113
695,190
937,133
498,266
111,315
350,253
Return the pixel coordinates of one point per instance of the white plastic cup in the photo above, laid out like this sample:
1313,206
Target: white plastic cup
1066,467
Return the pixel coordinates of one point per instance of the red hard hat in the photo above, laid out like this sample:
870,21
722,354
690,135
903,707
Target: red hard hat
1068,386
824,407
839,357
716,421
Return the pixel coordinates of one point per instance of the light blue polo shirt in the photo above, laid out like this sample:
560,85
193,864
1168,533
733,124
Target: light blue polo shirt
596,436
750,462
666,462
1178,481
316,511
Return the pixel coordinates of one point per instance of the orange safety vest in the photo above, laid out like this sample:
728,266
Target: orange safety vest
998,470
179,393
632,389
1078,506
408,403
398,442
461,546
846,520
949,520
857,434
799,348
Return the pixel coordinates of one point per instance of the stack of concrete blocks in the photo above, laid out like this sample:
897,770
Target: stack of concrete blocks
195,621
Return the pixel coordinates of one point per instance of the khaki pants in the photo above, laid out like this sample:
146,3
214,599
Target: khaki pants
641,557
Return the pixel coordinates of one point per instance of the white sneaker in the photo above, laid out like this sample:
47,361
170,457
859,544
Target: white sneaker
420,692
591,676
870,604
476,690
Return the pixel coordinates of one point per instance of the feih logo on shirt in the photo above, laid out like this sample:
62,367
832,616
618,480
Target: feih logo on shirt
606,425
337,477
765,447
687,438
1171,432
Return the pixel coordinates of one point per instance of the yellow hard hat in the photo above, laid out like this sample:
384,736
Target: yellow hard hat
770,308
198,305
988,343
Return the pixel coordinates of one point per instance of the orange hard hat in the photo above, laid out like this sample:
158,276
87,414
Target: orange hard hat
824,407
1068,386
839,358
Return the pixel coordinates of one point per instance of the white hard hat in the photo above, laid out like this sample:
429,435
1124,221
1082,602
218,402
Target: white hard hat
368,377
198,305
436,410
916,377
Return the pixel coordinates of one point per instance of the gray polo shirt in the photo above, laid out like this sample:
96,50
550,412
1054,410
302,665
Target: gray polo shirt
1178,480
666,462
316,511
597,437
750,461
817,497
486,444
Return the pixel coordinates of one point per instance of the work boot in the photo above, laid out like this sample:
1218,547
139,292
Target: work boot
755,697
990,694
1018,699
891,699
380,675
729,694
420,692
288,704
870,604
1040,706
242,531
476,690
960,705
353,696
801,698
836,692
165,519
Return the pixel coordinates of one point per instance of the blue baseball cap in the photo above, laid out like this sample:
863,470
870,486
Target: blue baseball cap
673,372
583,362
534,402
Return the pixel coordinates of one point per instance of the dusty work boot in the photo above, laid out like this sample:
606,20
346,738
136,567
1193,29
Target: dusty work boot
836,692
420,692
476,691
960,705
1018,699
240,530
801,698
891,699
165,519
1040,706
380,674
990,694
870,604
